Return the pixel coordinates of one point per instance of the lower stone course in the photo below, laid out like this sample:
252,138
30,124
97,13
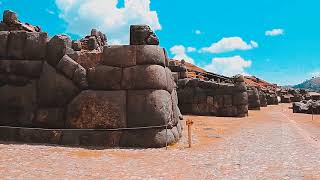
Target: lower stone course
147,138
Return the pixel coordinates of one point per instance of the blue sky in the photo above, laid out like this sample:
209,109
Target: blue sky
188,29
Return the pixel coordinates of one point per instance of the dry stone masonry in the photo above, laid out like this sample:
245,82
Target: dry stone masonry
74,89
210,94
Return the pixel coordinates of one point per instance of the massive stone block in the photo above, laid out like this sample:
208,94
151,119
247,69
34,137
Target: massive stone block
35,45
49,117
104,77
171,85
253,99
39,136
142,34
97,109
119,56
3,43
86,59
57,47
80,77
31,69
149,138
150,54
144,77
89,138
67,66
149,108
17,80
55,90
17,104
16,44
240,98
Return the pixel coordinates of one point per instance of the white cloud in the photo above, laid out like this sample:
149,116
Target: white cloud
274,32
197,32
83,15
179,52
228,66
230,44
50,11
191,49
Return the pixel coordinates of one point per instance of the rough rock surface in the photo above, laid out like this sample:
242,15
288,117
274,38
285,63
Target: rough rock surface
97,109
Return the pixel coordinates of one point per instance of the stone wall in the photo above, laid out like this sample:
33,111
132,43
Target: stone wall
202,97
54,84
253,98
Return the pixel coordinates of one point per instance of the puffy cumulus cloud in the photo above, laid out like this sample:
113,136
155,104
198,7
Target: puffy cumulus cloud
274,32
179,52
228,66
230,44
191,49
82,15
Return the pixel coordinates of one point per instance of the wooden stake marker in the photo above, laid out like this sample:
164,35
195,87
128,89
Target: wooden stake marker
189,124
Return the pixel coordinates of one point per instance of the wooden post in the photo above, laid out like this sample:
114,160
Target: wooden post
189,124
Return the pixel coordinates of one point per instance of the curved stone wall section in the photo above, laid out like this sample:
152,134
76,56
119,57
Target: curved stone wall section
253,98
57,83
211,98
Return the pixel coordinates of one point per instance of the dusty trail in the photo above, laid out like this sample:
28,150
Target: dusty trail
269,144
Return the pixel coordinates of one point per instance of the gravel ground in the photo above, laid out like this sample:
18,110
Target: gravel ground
269,144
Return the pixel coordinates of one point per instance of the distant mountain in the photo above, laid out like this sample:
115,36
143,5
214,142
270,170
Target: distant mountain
312,84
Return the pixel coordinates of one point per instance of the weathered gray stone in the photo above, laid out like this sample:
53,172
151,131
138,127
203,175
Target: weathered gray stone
142,35
49,118
167,59
242,110
231,111
240,98
76,45
238,78
148,108
97,109
3,43
144,77
149,138
35,45
17,104
17,80
54,89
92,43
31,69
80,77
67,66
227,101
104,77
3,80
39,136
175,133
150,54
171,85
57,47
119,56
86,59
16,44
186,95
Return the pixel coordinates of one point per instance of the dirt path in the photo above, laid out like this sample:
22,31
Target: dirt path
269,144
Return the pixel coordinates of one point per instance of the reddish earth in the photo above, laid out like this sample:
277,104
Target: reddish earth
272,143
